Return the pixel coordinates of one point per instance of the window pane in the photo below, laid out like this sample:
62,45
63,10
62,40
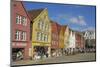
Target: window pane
24,36
20,20
17,35
17,19
37,35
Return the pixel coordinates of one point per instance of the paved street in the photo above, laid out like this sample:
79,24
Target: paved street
70,58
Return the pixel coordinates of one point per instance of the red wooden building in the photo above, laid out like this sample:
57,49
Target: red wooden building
20,32
80,42
54,39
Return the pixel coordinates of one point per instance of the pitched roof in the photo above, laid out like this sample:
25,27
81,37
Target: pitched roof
34,13
57,24
25,9
20,2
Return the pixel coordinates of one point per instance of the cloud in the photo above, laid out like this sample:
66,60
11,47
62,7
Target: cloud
78,20
74,20
69,19
61,18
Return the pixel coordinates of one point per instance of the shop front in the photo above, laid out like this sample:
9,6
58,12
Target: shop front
40,51
54,52
19,51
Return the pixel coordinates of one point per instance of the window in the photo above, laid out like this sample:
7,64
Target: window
17,19
40,24
24,21
41,36
20,35
24,36
38,36
17,35
20,19
46,37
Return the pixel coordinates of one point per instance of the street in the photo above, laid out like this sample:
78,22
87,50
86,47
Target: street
69,58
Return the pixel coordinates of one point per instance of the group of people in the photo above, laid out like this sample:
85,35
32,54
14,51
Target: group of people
40,53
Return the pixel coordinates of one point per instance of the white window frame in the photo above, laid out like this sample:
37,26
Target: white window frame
17,35
38,36
20,19
24,21
17,18
23,36
46,37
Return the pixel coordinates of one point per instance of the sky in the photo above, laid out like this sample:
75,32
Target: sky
77,17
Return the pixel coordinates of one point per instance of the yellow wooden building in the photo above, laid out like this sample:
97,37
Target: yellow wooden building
61,39
41,32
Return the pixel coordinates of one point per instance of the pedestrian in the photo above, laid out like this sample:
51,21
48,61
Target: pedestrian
19,55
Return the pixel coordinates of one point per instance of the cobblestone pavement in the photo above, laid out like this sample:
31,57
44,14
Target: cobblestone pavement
70,58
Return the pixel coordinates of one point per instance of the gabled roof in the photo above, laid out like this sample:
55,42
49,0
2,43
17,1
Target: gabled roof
57,24
63,28
21,2
34,13
25,9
